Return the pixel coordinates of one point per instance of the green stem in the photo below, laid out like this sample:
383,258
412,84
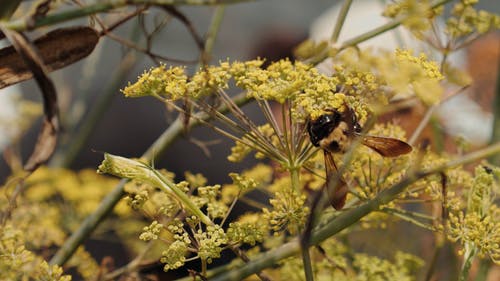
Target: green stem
108,203
347,218
368,35
203,268
484,267
495,136
88,225
381,29
340,21
470,254
295,178
8,8
306,259
103,6
214,28
80,133
66,156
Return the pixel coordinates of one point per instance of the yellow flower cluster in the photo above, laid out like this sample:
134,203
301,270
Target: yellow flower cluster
18,263
260,174
375,269
243,183
83,189
374,173
416,14
52,205
242,231
210,242
420,74
482,231
480,198
288,213
466,20
375,77
175,255
332,264
151,232
282,81
159,81
195,180
209,196
479,226
238,152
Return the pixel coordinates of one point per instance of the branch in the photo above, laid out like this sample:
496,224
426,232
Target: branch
109,202
368,35
104,6
347,218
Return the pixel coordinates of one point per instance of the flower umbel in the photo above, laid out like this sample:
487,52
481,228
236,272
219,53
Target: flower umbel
135,170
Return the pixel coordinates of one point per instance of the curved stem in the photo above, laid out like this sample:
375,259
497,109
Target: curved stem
340,20
306,259
383,28
109,202
347,218
495,135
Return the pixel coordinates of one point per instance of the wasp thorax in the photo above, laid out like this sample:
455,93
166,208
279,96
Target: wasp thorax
322,126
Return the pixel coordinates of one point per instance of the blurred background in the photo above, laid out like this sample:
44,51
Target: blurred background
268,29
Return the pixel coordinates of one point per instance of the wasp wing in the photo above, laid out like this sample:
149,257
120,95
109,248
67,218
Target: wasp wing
336,187
387,147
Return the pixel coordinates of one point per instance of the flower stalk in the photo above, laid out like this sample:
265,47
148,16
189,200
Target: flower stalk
348,218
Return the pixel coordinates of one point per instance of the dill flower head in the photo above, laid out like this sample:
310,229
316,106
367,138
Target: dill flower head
211,242
288,212
482,232
159,81
466,20
175,255
151,232
374,268
248,229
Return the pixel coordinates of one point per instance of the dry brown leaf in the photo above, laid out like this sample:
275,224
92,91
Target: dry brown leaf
32,60
57,49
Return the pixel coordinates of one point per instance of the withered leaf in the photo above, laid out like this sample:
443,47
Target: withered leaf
57,49
47,137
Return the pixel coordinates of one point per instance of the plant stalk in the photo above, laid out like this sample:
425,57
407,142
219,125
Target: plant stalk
103,6
108,203
340,21
347,218
495,135
368,35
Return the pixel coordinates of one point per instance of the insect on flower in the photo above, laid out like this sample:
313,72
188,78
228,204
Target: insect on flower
334,132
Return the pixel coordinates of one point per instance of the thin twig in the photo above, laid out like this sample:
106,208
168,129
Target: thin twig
24,24
340,20
370,34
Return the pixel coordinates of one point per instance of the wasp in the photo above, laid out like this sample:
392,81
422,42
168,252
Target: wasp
334,132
